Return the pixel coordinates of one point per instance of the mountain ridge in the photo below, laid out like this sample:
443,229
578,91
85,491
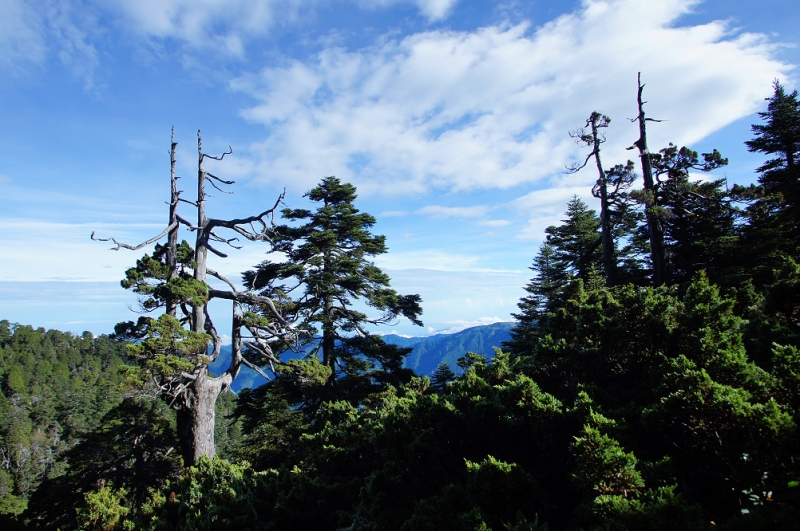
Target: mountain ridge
428,351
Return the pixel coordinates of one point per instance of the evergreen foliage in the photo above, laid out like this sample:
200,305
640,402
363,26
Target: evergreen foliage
327,270
652,405
55,389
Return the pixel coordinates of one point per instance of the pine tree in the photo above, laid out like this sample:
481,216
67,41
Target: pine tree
441,376
326,271
697,217
576,242
572,250
548,279
780,136
774,213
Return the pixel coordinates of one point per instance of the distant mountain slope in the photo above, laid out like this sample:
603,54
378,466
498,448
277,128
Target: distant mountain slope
428,353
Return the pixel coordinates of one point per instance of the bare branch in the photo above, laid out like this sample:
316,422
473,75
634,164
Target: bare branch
218,238
220,277
235,224
574,168
255,368
230,150
134,247
212,183
248,298
216,252
223,181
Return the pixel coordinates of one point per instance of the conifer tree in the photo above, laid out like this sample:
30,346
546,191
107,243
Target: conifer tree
576,242
572,250
327,270
779,135
774,213
175,349
697,217
441,376
544,286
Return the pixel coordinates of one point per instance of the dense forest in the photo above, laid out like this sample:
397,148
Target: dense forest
652,380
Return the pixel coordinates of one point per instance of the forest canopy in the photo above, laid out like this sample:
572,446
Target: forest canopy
652,380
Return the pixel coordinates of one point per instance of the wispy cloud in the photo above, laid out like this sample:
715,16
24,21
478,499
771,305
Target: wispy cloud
22,39
431,9
394,213
223,25
460,325
475,297
427,259
42,251
438,211
69,29
490,108
227,26
70,25
30,31
546,207
494,222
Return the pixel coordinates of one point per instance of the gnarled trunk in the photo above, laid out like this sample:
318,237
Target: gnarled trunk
197,416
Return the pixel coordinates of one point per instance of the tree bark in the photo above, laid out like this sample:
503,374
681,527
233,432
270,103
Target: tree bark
606,236
197,417
172,242
201,249
198,414
193,394
655,228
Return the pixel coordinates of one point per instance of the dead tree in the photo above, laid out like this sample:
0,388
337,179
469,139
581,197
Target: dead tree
608,188
655,226
176,348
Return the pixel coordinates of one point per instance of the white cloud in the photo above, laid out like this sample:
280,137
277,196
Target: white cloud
431,9
69,27
491,108
28,31
228,25
494,222
436,9
220,24
476,297
431,259
394,213
546,207
438,211
21,34
36,251
460,325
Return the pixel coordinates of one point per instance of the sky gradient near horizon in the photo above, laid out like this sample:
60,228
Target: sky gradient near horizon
451,117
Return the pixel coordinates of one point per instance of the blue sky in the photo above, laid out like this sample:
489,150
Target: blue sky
450,116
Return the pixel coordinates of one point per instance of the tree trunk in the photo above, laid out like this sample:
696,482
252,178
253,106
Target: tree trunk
172,243
606,237
197,417
655,228
200,250
329,341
